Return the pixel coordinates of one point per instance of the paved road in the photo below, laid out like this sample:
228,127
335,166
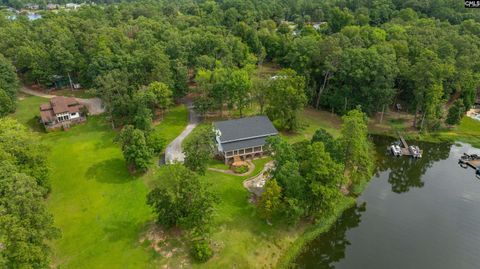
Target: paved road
174,151
94,105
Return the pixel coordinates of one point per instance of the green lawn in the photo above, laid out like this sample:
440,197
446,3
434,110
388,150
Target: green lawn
173,124
311,121
28,111
218,164
245,240
99,207
468,131
241,239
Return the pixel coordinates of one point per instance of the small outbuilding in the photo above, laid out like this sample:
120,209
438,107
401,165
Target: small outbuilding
243,138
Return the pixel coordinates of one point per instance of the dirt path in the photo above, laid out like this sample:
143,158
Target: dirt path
94,105
174,152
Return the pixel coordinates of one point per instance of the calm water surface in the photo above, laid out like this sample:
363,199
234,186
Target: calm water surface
414,214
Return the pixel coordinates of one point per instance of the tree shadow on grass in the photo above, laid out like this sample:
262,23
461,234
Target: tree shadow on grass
121,229
35,125
109,171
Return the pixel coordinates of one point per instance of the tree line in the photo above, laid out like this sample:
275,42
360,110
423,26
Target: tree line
309,176
26,227
368,53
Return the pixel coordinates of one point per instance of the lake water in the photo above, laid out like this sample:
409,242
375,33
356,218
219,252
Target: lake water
414,214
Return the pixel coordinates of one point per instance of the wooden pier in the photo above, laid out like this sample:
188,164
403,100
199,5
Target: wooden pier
407,150
470,160
475,164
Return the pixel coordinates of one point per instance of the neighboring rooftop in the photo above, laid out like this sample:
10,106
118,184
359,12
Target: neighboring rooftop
245,128
58,105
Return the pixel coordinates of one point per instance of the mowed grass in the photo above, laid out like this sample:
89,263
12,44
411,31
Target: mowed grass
311,120
173,124
28,111
99,207
243,238
240,238
467,131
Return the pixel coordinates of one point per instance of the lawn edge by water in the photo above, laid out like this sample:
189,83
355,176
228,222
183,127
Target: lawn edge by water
468,131
323,226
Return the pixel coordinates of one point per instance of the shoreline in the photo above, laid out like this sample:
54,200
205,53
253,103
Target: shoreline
325,224
295,249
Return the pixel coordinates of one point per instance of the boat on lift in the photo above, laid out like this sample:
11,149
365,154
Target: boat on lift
396,150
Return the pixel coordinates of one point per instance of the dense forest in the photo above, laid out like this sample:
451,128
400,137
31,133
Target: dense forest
368,53
346,56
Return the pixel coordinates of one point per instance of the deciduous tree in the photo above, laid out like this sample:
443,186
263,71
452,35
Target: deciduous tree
355,146
286,98
185,201
270,202
455,113
135,150
199,149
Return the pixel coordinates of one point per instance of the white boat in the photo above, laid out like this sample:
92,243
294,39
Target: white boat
396,150
415,151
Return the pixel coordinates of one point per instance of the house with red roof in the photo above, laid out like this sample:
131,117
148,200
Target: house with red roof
61,112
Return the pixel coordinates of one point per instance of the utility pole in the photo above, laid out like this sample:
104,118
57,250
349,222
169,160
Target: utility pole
383,111
70,79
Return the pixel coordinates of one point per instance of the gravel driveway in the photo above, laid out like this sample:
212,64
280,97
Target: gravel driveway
174,151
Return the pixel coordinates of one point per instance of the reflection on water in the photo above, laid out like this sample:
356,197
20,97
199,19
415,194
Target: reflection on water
421,213
405,172
335,241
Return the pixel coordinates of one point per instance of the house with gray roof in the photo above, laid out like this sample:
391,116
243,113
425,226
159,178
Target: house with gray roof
243,138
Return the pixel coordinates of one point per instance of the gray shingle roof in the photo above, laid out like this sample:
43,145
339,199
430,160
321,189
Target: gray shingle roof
245,129
249,143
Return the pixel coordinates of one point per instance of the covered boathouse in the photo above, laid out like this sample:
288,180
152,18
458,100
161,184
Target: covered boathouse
243,138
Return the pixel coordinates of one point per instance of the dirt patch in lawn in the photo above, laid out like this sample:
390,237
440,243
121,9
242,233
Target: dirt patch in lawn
165,243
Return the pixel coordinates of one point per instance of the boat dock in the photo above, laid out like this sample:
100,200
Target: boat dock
401,148
470,160
404,147
475,164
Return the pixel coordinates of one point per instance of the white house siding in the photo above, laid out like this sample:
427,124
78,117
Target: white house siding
63,116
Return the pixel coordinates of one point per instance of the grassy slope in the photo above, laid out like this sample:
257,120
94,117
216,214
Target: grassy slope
240,238
468,131
27,110
173,124
288,257
98,206
246,241
312,120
